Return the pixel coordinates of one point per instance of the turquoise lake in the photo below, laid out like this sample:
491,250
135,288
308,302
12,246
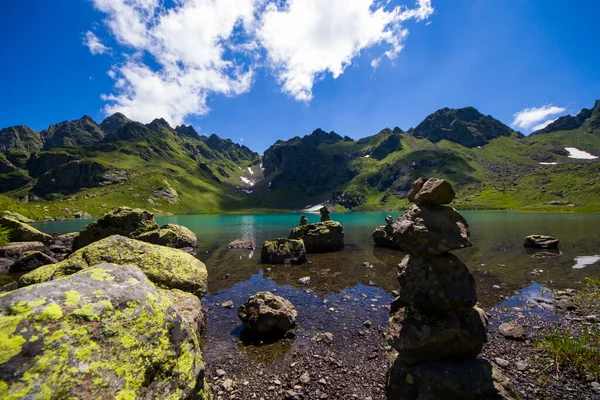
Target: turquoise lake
344,293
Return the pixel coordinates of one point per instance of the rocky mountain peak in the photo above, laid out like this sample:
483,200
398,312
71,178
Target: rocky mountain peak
588,116
114,122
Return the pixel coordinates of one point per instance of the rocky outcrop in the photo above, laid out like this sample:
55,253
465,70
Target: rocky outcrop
31,260
164,266
83,131
541,242
171,235
107,327
320,237
17,216
434,318
280,251
20,138
14,250
265,312
21,232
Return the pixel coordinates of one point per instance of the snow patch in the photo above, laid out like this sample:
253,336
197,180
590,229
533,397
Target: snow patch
250,170
247,181
584,261
247,191
368,156
574,152
315,208
549,163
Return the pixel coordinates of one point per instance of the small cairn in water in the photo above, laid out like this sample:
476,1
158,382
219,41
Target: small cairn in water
434,325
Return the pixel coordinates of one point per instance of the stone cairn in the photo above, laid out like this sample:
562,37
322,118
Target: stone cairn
435,326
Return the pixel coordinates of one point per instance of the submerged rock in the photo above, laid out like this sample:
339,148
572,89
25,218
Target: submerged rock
164,266
21,232
277,251
31,260
320,237
241,244
105,332
541,242
265,312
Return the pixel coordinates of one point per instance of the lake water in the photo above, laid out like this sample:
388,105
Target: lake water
343,293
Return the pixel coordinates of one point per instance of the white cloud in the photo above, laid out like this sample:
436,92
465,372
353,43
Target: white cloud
375,62
543,124
94,44
175,58
536,117
307,38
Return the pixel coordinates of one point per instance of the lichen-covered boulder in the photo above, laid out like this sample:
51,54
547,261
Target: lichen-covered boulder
17,216
277,251
541,242
442,283
448,380
265,312
320,237
432,191
432,230
14,250
105,332
31,260
124,221
171,235
21,232
166,267
420,335
189,307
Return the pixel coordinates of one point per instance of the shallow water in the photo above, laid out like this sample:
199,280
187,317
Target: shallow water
343,293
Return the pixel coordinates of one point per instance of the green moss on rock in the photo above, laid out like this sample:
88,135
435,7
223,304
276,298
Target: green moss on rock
21,232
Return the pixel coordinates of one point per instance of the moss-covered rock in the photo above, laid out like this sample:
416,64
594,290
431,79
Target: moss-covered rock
277,251
320,237
124,221
17,216
166,267
190,308
105,332
384,236
21,232
171,235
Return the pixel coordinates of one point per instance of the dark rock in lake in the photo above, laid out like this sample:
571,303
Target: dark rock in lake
320,237
265,312
106,321
31,260
541,242
277,251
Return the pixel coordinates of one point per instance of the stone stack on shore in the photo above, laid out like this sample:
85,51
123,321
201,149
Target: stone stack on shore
435,325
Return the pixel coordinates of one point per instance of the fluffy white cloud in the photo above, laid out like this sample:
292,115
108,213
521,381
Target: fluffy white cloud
536,117
94,44
305,38
176,57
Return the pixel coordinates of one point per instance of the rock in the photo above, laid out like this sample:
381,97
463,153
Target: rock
221,373
17,216
227,304
82,215
165,267
448,380
265,312
522,365
5,264
189,307
432,230
124,221
512,330
21,232
564,303
420,336
384,236
304,280
120,329
31,260
241,244
167,194
324,211
367,324
320,237
501,362
171,235
434,191
14,250
541,242
442,283
277,251
591,318
292,395
303,220
305,378
416,187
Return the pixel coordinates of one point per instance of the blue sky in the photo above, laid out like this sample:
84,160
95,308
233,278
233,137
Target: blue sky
270,73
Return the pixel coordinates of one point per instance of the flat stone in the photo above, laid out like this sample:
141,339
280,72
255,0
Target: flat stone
512,330
304,280
564,303
541,242
320,237
501,362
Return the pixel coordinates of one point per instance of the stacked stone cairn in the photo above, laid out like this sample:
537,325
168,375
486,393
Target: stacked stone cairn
435,325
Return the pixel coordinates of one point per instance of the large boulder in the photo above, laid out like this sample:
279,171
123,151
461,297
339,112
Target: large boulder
166,267
14,250
17,216
277,251
320,237
265,312
431,230
21,232
124,221
105,332
433,191
442,283
541,242
171,235
448,380
383,236
189,307
423,336
31,260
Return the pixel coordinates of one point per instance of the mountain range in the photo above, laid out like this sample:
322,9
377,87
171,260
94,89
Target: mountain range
84,166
